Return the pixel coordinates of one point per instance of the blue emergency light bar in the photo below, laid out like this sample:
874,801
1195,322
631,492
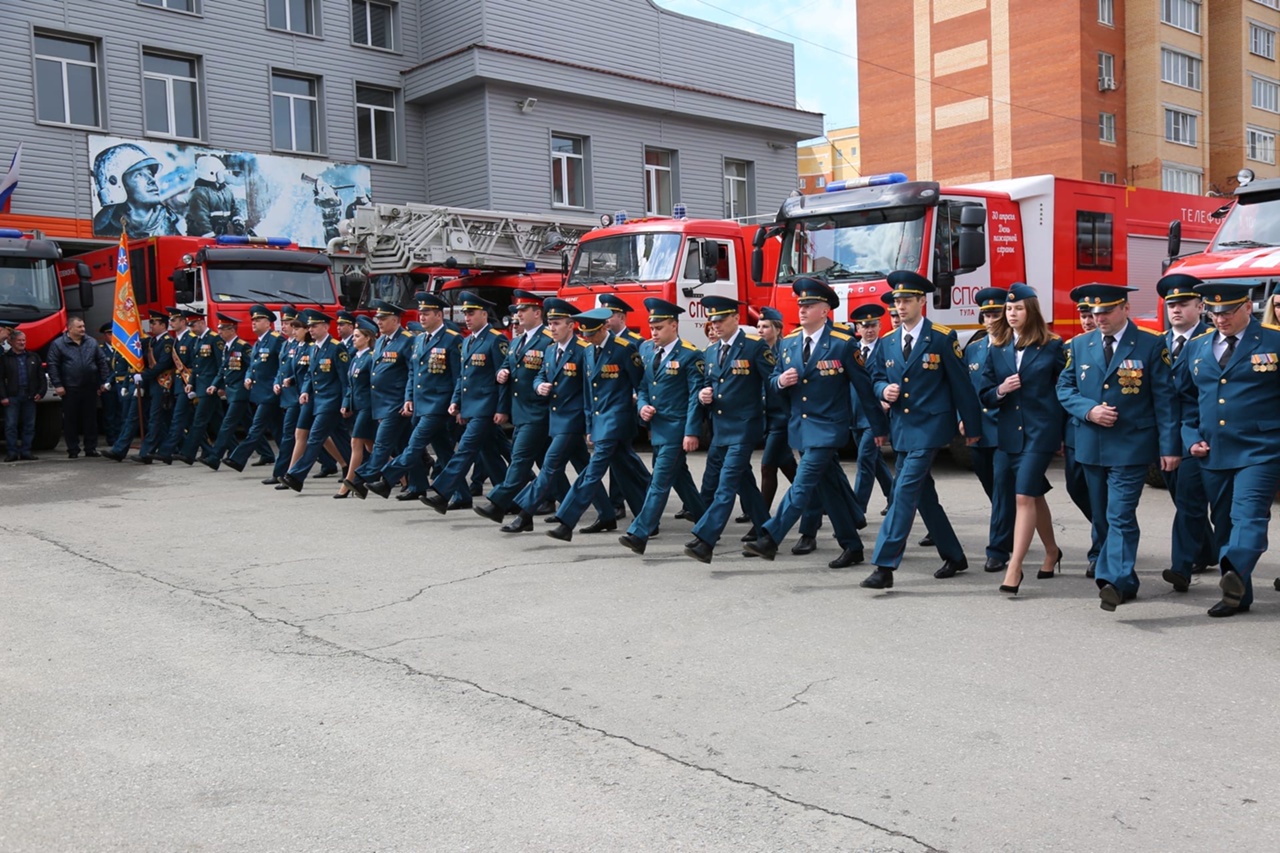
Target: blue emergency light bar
679,211
530,267
10,232
868,181
620,217
232,240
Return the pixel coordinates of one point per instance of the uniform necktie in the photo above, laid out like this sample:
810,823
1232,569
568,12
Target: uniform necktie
906,346
1108,348
808,349
866,354
724,350
1227,353
657,360
1177,345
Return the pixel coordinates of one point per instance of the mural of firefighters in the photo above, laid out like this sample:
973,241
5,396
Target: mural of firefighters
154,189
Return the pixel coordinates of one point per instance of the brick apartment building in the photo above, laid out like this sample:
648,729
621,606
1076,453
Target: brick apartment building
834,157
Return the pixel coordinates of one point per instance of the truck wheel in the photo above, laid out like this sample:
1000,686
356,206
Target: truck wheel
48,426
960,453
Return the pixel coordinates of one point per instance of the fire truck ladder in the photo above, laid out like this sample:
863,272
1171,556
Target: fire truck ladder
397,238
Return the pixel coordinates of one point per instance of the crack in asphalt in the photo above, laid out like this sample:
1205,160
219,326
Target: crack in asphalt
440,677
795,698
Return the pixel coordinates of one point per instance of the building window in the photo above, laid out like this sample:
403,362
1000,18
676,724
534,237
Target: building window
803,183
1106,12
1271,4
568,171
659,181
296,16
372,24
171,96
1106,71
1260,145
1093,240
175,5
820,181
737,189
1179,69
1179,127
376,123
1266,95
1107,177
1175,179
1183,14
67,81
1107,127
295,112
1262,41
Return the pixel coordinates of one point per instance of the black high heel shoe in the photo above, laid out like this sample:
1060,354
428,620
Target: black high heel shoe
1057,567
1013,590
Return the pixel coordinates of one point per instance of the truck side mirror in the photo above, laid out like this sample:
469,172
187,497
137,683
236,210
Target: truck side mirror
757,265
1175,238
352,284
85,276
709,261
972,252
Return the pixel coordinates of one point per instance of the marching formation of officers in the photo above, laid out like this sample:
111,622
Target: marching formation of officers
420,409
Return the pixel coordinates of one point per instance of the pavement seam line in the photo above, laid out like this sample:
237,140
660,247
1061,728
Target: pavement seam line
341,650
795,698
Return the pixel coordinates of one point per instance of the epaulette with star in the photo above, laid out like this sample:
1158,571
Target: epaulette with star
841,336
946,330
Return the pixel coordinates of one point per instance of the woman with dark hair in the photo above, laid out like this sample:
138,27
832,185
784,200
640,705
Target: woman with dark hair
1019,379
358,403
777,454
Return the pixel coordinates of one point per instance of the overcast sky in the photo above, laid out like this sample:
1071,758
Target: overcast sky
825,35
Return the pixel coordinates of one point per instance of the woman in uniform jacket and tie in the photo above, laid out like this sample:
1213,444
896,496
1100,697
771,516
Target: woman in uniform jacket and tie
1019,382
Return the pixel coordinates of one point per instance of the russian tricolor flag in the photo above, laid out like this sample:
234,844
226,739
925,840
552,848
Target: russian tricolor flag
10,180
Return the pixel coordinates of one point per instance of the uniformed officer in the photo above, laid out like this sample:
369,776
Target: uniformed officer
990,302
1230,389
478,401
181,321
528,411
1118,383
432,363
1194,545
1073,471
357,405
776,457
613,373
738,367
816,368
667,400
236,355
920,372
324,388
391,407
152,388
872,467
264,364
205,364
617,326
117,380
288,385
346,328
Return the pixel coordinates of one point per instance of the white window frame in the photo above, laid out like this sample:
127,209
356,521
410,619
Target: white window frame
1107,12
1107,177
1270,4
654,174
820,181
1190,125
1262,40
170,5
313,98
1260,85
733,181
1182,173
1181,69
1107,127
66,83
562,163
372,110
171,106
1106,66
288,19
1260,145
393,13
1181,14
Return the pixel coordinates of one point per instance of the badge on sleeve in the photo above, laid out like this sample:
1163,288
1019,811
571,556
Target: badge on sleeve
342,354
955,344
770,357
503,345
636,359
1164,356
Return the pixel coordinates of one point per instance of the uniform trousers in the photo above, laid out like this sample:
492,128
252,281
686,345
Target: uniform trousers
670,469
267,417
430,429
288,439
480,445
837,490
153,406
323,426
184,410
818,486
388,442
1078,491
1114,493
529,443
736,480
913,490
1194,541
237,413
1244,496
205,419
871,469
564,449
610,454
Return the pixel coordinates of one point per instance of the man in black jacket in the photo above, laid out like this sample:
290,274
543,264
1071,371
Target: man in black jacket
22,383
79,374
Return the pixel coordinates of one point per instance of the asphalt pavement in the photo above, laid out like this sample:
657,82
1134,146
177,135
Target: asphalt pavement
192,661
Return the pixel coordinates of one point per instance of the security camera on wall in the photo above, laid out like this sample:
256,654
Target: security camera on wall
526,105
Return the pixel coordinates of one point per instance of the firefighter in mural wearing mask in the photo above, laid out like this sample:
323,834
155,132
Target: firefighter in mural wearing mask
212,210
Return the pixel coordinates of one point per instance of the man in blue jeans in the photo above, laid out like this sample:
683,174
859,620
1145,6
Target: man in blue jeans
22,383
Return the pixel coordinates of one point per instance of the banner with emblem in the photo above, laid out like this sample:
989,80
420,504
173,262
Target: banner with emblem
126,328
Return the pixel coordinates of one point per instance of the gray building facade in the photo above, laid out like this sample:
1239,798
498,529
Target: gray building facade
520,105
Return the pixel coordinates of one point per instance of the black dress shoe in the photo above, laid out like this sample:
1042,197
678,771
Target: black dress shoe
699,550
951,568
561,531
1199,568
358,486
848,557
323,474
545,508
109,454
460,504
599,526
742,519
522,523
185,460
1089,572
994,565
884,512
141,460
341,496
477,489
73,454
280,487
168,460
752,535
881,578
437,501
27,457
926,542
1277,584
764,547
491,511
684,515
270,481
211,463
260,463
1223,609
379,487
804,545
1111,598
635,543
409,495
1179,582
12,457
291,482
1233,588
232,464
92,454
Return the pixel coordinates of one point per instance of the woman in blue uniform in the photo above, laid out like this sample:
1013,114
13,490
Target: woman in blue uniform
777,453
358,403
1019,381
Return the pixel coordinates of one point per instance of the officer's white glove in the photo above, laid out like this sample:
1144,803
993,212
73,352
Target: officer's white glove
137,379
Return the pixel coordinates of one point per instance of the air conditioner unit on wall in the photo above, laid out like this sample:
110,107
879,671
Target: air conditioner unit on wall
1106,84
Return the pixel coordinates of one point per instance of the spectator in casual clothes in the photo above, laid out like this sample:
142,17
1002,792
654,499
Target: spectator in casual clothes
22,383
79,374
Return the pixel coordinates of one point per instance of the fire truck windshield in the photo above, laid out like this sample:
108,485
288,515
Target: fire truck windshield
626,257
864,244
1250,226
247,283
28,288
